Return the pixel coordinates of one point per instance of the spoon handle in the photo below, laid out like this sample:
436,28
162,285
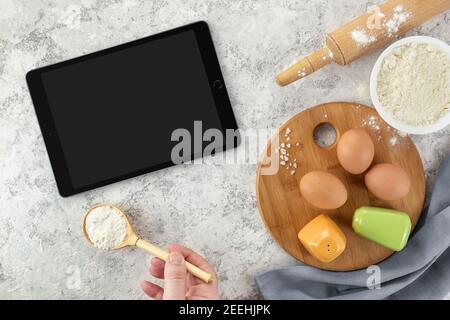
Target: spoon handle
162,254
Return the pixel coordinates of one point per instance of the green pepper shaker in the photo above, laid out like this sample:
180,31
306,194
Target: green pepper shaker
389,228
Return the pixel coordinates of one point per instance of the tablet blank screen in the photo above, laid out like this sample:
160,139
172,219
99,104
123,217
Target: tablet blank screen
115,114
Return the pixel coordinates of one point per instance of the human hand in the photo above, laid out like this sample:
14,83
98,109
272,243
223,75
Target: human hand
179,284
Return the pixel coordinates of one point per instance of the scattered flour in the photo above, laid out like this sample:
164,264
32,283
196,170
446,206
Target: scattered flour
371,122
283,151
414,84
398,18
394,136
393,141
363,90
302,73
106,227
402,134
361,37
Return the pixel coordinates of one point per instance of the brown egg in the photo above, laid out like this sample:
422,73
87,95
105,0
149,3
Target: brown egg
323,190
387,181
355,151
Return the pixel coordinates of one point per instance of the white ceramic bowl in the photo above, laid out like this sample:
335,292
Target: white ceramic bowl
441,123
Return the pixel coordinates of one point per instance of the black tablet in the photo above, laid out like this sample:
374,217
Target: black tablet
114,114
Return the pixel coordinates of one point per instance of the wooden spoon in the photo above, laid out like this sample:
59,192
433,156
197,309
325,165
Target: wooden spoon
132,239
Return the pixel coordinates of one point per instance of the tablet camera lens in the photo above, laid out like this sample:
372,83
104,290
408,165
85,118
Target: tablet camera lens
217,84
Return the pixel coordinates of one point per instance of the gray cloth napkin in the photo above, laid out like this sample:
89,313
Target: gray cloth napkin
420,271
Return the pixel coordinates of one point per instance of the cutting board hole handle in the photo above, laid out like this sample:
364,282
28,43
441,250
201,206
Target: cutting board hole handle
325,135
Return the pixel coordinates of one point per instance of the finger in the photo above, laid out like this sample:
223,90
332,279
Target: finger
152,290
197,298
194,258
157,262
175,277
202,291
192,280
157,268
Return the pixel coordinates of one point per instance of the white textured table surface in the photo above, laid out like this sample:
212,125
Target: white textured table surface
211,208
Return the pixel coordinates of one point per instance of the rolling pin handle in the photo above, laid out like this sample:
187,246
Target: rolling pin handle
305,66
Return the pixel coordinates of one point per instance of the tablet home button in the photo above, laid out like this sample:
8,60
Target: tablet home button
217,84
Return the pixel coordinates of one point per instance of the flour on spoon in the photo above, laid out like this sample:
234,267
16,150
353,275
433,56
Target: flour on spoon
106,227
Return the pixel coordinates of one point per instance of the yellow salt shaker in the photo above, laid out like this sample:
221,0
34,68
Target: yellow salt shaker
323,238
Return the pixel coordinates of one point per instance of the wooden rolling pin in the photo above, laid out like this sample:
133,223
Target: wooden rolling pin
379,27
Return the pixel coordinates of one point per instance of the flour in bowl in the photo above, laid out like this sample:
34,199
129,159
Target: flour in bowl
413,84
106,227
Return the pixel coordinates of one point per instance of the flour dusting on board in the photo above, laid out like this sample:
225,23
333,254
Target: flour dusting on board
393,141
372,123
286,160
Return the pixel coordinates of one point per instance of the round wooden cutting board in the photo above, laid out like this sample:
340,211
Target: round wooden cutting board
285,211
